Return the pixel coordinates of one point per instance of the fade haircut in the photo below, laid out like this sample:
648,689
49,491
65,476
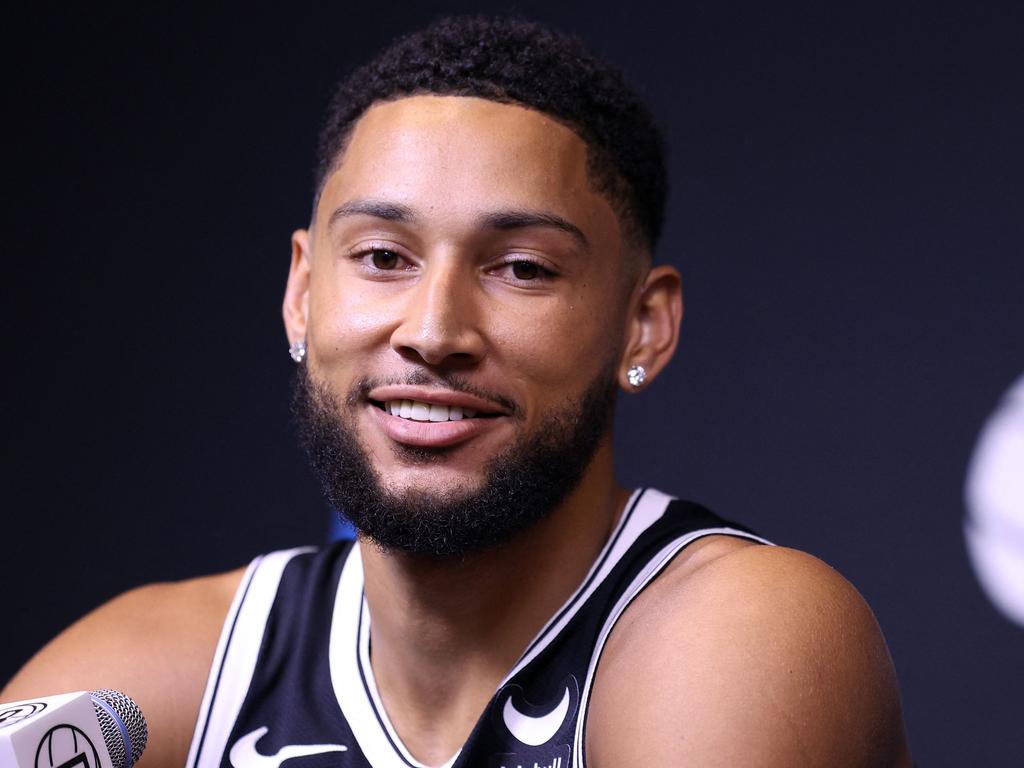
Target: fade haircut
520,62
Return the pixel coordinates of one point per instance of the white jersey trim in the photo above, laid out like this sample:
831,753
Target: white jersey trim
235,658
352,676
654,567
371,689
643,509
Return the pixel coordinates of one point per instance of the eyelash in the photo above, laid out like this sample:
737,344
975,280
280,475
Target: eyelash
364,257
543,274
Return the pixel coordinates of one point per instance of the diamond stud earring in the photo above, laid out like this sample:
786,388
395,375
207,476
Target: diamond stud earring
297,349
636,375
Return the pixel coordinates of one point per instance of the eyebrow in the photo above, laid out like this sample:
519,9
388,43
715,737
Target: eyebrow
521,219
500,220
376,208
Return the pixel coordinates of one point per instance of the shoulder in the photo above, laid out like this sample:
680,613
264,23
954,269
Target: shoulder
745,654
154,643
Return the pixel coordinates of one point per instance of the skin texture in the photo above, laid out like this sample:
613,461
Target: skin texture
414,265
777,662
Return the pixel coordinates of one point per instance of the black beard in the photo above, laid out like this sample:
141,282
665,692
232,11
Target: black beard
522,484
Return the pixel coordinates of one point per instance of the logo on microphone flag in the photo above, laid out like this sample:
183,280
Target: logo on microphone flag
66,746
60,732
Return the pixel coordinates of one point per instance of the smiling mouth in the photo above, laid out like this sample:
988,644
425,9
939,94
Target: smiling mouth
417,410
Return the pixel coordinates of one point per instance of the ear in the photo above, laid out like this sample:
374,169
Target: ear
653,325
295,308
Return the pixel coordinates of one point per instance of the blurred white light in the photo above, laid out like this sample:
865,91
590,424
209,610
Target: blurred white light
994,493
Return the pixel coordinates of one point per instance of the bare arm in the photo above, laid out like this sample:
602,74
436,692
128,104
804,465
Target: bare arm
155,643
761,656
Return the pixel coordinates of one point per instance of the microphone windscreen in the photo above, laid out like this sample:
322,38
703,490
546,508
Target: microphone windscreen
124,728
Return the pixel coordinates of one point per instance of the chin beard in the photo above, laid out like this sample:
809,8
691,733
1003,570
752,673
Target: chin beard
522,484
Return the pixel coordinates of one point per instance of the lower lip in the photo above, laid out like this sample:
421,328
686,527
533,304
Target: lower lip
431,434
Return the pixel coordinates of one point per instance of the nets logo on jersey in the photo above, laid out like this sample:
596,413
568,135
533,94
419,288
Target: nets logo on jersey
542,729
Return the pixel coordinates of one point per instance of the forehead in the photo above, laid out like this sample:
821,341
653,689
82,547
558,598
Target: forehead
454,156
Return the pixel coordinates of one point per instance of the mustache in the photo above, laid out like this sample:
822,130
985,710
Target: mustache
362,388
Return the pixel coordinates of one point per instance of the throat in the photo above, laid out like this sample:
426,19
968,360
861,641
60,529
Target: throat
445,633
441,644
432,714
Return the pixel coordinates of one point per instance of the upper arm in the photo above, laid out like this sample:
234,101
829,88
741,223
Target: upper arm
154,643
763,656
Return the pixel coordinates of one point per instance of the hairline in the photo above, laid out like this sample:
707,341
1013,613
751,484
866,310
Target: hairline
637,255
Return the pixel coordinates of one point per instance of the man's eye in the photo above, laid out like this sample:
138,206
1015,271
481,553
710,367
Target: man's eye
526,270
382,259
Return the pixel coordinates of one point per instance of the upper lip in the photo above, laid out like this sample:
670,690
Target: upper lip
436,396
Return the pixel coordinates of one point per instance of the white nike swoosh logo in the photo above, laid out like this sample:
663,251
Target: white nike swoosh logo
245,755
534,730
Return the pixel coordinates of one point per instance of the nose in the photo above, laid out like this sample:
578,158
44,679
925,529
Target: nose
439,323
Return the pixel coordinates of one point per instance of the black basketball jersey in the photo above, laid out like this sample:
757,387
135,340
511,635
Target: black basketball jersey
291,678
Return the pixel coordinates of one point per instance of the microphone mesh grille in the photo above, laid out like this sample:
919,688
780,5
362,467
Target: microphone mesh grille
134,723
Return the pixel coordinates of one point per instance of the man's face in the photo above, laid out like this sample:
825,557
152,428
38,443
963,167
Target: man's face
459,263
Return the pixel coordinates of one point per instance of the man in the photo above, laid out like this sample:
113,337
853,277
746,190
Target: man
473,288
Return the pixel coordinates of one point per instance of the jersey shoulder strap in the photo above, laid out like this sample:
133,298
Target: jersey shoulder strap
538,716
234,660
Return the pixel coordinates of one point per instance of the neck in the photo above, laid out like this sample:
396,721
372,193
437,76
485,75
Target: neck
445,632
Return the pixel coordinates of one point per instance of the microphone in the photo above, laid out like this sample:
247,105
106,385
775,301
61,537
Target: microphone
85,729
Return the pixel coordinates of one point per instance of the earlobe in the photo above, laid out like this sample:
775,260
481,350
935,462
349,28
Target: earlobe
653,328
295,308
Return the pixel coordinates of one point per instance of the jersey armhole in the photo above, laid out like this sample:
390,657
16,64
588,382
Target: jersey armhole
654,567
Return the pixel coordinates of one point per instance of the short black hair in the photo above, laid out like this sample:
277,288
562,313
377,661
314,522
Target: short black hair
520,62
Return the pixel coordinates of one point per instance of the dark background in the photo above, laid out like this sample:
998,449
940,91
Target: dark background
846,210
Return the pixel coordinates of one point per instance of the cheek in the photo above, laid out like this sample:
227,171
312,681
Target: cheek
569,339
343,318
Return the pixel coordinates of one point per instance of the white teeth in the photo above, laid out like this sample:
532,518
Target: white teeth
419,411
